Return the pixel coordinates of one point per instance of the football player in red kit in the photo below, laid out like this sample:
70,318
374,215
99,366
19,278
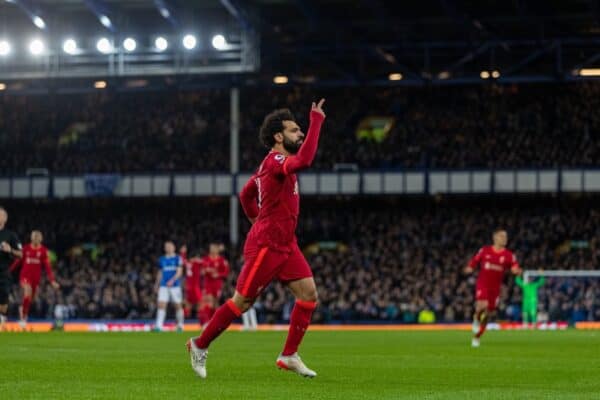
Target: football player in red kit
35,256
271,201
493,261
214,269
193,290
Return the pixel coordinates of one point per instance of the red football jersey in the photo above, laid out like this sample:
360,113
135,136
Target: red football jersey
214,270
192,270
271,196
32,261
493,264
278,203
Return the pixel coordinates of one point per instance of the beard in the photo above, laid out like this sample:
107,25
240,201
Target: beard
291,147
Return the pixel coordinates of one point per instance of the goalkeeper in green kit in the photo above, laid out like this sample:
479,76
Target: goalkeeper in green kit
530,298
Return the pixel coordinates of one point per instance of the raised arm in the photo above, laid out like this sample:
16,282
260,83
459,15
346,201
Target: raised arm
540,282
305,156
519,281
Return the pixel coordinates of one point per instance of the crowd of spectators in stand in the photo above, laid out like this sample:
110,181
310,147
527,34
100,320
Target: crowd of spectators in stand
108,251
374,259
487,126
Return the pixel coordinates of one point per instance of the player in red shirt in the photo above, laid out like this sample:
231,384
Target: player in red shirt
193,290
271,202
493,261
215,269
35,256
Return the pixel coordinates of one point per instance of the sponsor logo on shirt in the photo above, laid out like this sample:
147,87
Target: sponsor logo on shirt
493,267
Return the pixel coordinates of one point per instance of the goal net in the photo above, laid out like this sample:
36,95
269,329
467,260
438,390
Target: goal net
560,295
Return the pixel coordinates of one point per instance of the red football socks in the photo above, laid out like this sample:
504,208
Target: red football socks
26,306
482,317
223,317
299,321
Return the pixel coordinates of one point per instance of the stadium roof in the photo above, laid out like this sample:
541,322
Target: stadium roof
357,41
380,20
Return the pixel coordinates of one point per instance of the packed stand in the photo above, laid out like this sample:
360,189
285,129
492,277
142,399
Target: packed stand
108,250
373,259
115,132
483,126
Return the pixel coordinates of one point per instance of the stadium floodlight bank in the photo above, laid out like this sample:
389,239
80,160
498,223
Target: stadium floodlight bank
240,56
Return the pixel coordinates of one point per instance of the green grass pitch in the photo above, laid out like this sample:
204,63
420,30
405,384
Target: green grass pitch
351,365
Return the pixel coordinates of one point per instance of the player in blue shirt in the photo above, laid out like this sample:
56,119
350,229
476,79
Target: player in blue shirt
168,286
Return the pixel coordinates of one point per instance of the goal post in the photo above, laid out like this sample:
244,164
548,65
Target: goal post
530,312
560,273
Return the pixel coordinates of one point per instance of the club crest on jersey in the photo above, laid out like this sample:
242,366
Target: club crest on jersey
280,158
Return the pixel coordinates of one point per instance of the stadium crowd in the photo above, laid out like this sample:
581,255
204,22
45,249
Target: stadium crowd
445,127
374,259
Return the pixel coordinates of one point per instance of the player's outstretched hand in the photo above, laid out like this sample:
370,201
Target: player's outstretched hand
467,270
318,107
55,285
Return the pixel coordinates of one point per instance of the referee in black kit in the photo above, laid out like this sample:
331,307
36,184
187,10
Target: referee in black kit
10,247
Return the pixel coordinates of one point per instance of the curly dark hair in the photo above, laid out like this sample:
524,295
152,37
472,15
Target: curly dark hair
273,124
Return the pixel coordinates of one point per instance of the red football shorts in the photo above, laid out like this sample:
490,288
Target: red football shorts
214,289
263,265
193,294
491,295
34,283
